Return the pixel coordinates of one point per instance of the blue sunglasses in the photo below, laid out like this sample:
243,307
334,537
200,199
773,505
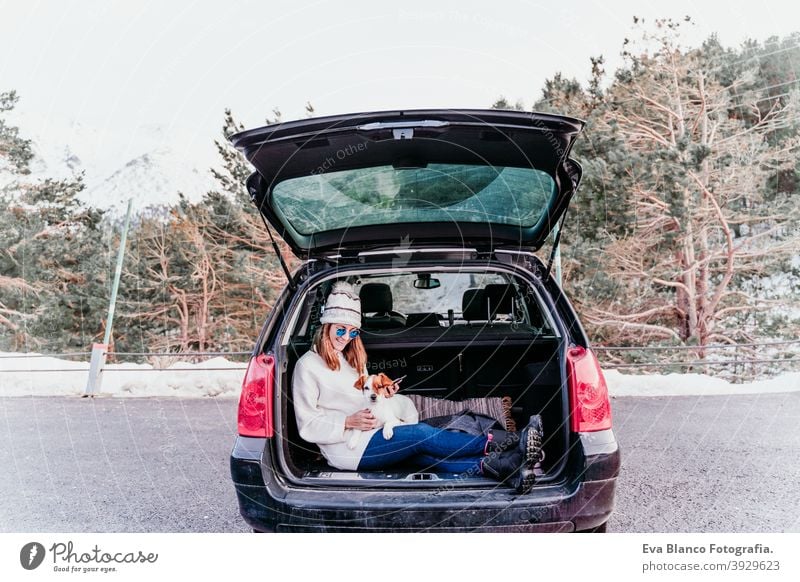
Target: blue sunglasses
354,333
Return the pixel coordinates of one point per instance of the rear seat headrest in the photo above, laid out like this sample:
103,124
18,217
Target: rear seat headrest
375,298
473,305
501,298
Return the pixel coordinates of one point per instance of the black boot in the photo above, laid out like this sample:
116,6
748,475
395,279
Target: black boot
501,440
530,441
510,468
511,457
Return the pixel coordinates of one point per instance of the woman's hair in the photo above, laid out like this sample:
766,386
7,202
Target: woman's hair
354,351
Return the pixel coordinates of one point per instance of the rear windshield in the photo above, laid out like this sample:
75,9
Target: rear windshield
435,193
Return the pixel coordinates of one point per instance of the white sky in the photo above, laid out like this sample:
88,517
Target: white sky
122,65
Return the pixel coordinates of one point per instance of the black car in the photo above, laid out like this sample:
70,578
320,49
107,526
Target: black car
434,215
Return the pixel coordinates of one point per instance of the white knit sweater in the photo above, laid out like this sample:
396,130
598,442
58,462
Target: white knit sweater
323,399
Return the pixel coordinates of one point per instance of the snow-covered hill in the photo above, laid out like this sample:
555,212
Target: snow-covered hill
152,178
150,164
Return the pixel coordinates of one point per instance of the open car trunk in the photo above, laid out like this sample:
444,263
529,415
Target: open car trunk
498,179
516,365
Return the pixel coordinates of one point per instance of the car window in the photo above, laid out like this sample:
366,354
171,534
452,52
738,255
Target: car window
409,299
435,193
413,295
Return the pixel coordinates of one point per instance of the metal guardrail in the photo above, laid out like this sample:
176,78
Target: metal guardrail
731,359
661,364
107,369
705,363
28,370
69,355
708,347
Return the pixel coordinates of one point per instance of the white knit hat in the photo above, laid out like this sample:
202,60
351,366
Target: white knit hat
342,306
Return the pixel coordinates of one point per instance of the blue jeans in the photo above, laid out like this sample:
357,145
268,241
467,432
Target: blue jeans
425,447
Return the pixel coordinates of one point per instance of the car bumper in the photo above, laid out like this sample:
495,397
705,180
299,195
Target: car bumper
584,502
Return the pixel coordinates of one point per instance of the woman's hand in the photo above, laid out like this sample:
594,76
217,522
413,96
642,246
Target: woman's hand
361,420
392,389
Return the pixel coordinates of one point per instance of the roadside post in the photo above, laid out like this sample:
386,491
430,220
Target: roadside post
99,351
96,369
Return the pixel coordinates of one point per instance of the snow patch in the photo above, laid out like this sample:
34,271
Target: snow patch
46,376
22,375
620,384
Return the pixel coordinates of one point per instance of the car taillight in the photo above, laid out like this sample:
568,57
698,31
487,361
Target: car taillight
255,403
588,392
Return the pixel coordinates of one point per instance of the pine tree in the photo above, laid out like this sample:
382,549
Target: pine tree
15,155
697,175
51,267
251,276
15,152
689,189
203,277
54,266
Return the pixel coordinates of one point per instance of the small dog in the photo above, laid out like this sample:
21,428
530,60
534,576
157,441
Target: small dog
390,412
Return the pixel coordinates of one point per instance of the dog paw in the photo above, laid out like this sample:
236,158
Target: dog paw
388,433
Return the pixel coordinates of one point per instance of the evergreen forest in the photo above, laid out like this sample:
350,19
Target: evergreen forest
684,231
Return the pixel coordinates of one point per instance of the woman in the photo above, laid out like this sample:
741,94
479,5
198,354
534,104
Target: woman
328,407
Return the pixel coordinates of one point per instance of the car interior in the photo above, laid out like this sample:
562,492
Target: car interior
457,338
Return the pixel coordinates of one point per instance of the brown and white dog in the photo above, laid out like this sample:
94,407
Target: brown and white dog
390,412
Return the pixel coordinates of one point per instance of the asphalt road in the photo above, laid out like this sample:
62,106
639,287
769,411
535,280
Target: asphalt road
690,464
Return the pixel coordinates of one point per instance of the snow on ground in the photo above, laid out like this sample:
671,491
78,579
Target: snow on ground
68,378
693,384
218,377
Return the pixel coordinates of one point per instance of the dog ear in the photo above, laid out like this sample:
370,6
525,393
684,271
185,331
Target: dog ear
359,385
385,380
